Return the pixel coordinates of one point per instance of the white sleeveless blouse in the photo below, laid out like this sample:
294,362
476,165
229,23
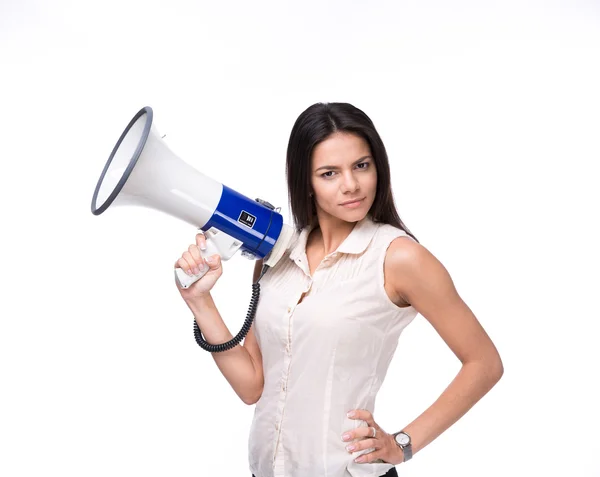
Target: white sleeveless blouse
325,356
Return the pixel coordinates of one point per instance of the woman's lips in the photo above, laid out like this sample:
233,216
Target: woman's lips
354,205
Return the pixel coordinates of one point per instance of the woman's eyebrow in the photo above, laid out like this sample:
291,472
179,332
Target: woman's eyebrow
335,167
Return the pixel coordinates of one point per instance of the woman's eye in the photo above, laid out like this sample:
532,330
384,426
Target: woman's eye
365,164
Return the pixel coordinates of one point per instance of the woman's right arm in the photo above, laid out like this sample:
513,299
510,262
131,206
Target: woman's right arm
241,365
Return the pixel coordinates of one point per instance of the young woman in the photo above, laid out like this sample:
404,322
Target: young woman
331,312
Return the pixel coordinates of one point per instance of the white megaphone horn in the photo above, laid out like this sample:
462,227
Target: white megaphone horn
143,171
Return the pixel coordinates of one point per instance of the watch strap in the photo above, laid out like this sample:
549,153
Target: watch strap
407,451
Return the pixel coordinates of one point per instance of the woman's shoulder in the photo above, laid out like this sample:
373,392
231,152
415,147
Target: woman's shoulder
401,249
387,233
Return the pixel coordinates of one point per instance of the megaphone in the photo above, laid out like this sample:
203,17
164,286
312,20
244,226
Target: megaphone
143,171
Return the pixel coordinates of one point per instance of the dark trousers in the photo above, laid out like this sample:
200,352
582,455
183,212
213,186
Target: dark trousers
390,473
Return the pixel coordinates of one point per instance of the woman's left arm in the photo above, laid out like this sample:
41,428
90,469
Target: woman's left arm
421,280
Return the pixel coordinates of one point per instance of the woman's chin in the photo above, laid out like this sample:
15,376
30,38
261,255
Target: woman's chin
355,215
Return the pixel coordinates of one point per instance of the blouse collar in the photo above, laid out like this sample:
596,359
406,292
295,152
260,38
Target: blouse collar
356,242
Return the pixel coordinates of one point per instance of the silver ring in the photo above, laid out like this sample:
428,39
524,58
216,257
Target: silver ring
374,432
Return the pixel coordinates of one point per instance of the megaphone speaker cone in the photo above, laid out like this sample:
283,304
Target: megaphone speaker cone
122,160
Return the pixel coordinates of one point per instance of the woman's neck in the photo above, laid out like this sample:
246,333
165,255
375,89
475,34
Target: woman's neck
329,233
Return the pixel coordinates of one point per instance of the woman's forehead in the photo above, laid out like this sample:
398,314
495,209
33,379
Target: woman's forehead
340,147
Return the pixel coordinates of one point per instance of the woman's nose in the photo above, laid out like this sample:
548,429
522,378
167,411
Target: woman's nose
349,184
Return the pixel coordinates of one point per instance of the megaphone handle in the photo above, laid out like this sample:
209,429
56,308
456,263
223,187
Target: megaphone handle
184,280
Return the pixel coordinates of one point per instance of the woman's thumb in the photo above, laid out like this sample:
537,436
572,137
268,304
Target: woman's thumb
213,261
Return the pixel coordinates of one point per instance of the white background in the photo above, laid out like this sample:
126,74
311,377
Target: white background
490,114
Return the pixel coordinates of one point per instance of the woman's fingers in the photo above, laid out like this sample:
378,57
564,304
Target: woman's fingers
196,255
201,241
192,265
183,264
192,261
213,261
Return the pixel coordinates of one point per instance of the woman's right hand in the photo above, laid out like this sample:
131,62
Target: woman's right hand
192,260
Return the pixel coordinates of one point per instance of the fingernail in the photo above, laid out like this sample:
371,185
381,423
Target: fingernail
196,271
345,437
351,414
189,272
350,448
210,259
359,459
202,246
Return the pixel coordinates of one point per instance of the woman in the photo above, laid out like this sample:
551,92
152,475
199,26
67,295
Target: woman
331,312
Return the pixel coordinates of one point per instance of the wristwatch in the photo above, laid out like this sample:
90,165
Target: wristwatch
403,441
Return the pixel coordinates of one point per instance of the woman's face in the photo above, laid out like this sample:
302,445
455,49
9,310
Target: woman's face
343,170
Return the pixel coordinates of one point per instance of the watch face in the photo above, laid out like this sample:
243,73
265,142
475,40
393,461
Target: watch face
402,439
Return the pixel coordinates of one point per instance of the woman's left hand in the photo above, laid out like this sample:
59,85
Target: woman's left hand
385,446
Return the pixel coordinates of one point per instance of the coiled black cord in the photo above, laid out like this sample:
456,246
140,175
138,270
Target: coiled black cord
218,348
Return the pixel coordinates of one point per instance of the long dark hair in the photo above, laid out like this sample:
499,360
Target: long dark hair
314,125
